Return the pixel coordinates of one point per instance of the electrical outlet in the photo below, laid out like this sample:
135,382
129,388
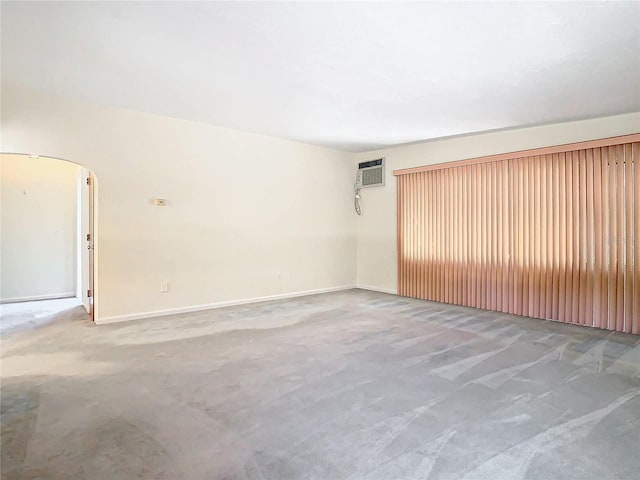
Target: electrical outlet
278,276
164,286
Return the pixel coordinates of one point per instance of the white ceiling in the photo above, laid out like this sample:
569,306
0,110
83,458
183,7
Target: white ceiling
353,76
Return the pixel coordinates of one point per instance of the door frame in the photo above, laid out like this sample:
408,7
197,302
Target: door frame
92,227
90,241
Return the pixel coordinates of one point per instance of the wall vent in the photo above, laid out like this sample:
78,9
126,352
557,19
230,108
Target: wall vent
371,173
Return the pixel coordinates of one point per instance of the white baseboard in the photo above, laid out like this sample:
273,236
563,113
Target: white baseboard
37,298
392,291
211,306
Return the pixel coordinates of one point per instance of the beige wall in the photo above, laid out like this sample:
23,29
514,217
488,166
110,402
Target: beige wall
247,215
376,228
38,228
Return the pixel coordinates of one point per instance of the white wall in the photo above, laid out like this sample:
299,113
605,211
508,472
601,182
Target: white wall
376,228
38,228
247,215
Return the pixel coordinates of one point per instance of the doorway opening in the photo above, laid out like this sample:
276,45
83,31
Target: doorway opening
47,230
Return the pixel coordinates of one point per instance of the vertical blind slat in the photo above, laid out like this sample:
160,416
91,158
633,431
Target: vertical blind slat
598,205
575,202
589,232
635,319
555,239
547,238
562,199
582,253
613,251
537,208
620,236
628,236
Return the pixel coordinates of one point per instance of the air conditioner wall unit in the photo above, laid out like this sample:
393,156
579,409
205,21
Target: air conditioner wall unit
371,173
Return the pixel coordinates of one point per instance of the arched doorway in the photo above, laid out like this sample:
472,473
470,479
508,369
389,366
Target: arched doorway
48,233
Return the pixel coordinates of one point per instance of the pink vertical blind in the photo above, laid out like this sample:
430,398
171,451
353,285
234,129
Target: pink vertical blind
551,235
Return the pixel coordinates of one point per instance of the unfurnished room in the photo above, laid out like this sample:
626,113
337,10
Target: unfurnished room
320,240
